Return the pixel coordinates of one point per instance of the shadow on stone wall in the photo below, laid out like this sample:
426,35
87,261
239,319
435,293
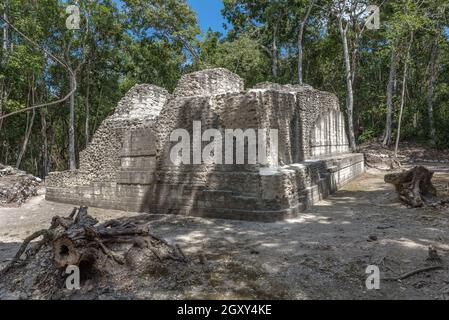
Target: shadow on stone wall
141,177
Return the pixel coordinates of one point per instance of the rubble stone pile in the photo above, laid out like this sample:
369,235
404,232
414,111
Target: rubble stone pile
16,186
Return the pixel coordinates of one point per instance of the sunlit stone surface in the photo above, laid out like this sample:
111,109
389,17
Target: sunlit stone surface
127,166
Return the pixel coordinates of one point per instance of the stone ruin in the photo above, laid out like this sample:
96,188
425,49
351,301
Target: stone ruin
127,165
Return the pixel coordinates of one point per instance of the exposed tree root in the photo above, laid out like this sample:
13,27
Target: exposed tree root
24,246
415,187
79,240
414,272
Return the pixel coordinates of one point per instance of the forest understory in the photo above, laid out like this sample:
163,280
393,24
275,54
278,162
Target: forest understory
322,254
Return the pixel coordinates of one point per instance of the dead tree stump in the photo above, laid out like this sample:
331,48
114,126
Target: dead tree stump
79,240
414,186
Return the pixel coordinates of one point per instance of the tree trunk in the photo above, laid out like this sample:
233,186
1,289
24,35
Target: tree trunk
5,26
390,88
300,58
87,125
28,131
430,94
51,143
404,83
2,88
100,100
44,143
275,53
1,113
25,140
349,89
5,48
72,154
300,40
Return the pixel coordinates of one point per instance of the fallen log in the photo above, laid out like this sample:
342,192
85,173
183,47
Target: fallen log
414,186
80,241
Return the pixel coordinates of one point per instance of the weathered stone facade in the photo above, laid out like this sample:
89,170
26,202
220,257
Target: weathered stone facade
127,166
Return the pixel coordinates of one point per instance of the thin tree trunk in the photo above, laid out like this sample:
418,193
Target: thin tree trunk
3,98
300,57
1,103
404,83
1,113
87,125
6,155
430,94
5,49
5,27
72,154
44,143
51,143
100,100
275,53
390,88
300,40
28,131
349,89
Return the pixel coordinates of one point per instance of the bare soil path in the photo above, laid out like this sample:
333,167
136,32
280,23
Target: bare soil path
323,254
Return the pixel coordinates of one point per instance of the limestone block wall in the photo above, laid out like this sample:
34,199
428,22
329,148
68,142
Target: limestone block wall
242,191
328,135
138,109
293,88
296,111
100,161
209,82
312,105
293,113
283,193
127,166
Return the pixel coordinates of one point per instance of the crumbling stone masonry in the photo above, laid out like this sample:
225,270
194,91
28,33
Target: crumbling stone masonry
127,165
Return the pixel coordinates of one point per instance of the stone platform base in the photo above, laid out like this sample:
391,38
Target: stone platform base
270,195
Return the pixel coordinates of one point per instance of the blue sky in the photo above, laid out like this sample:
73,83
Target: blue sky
209,15
208,12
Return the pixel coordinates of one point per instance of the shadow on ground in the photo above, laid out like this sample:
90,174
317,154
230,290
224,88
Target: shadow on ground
323,254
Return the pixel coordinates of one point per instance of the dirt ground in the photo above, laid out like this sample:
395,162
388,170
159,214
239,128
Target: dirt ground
323,254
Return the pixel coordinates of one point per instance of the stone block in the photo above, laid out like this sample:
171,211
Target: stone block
127,166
